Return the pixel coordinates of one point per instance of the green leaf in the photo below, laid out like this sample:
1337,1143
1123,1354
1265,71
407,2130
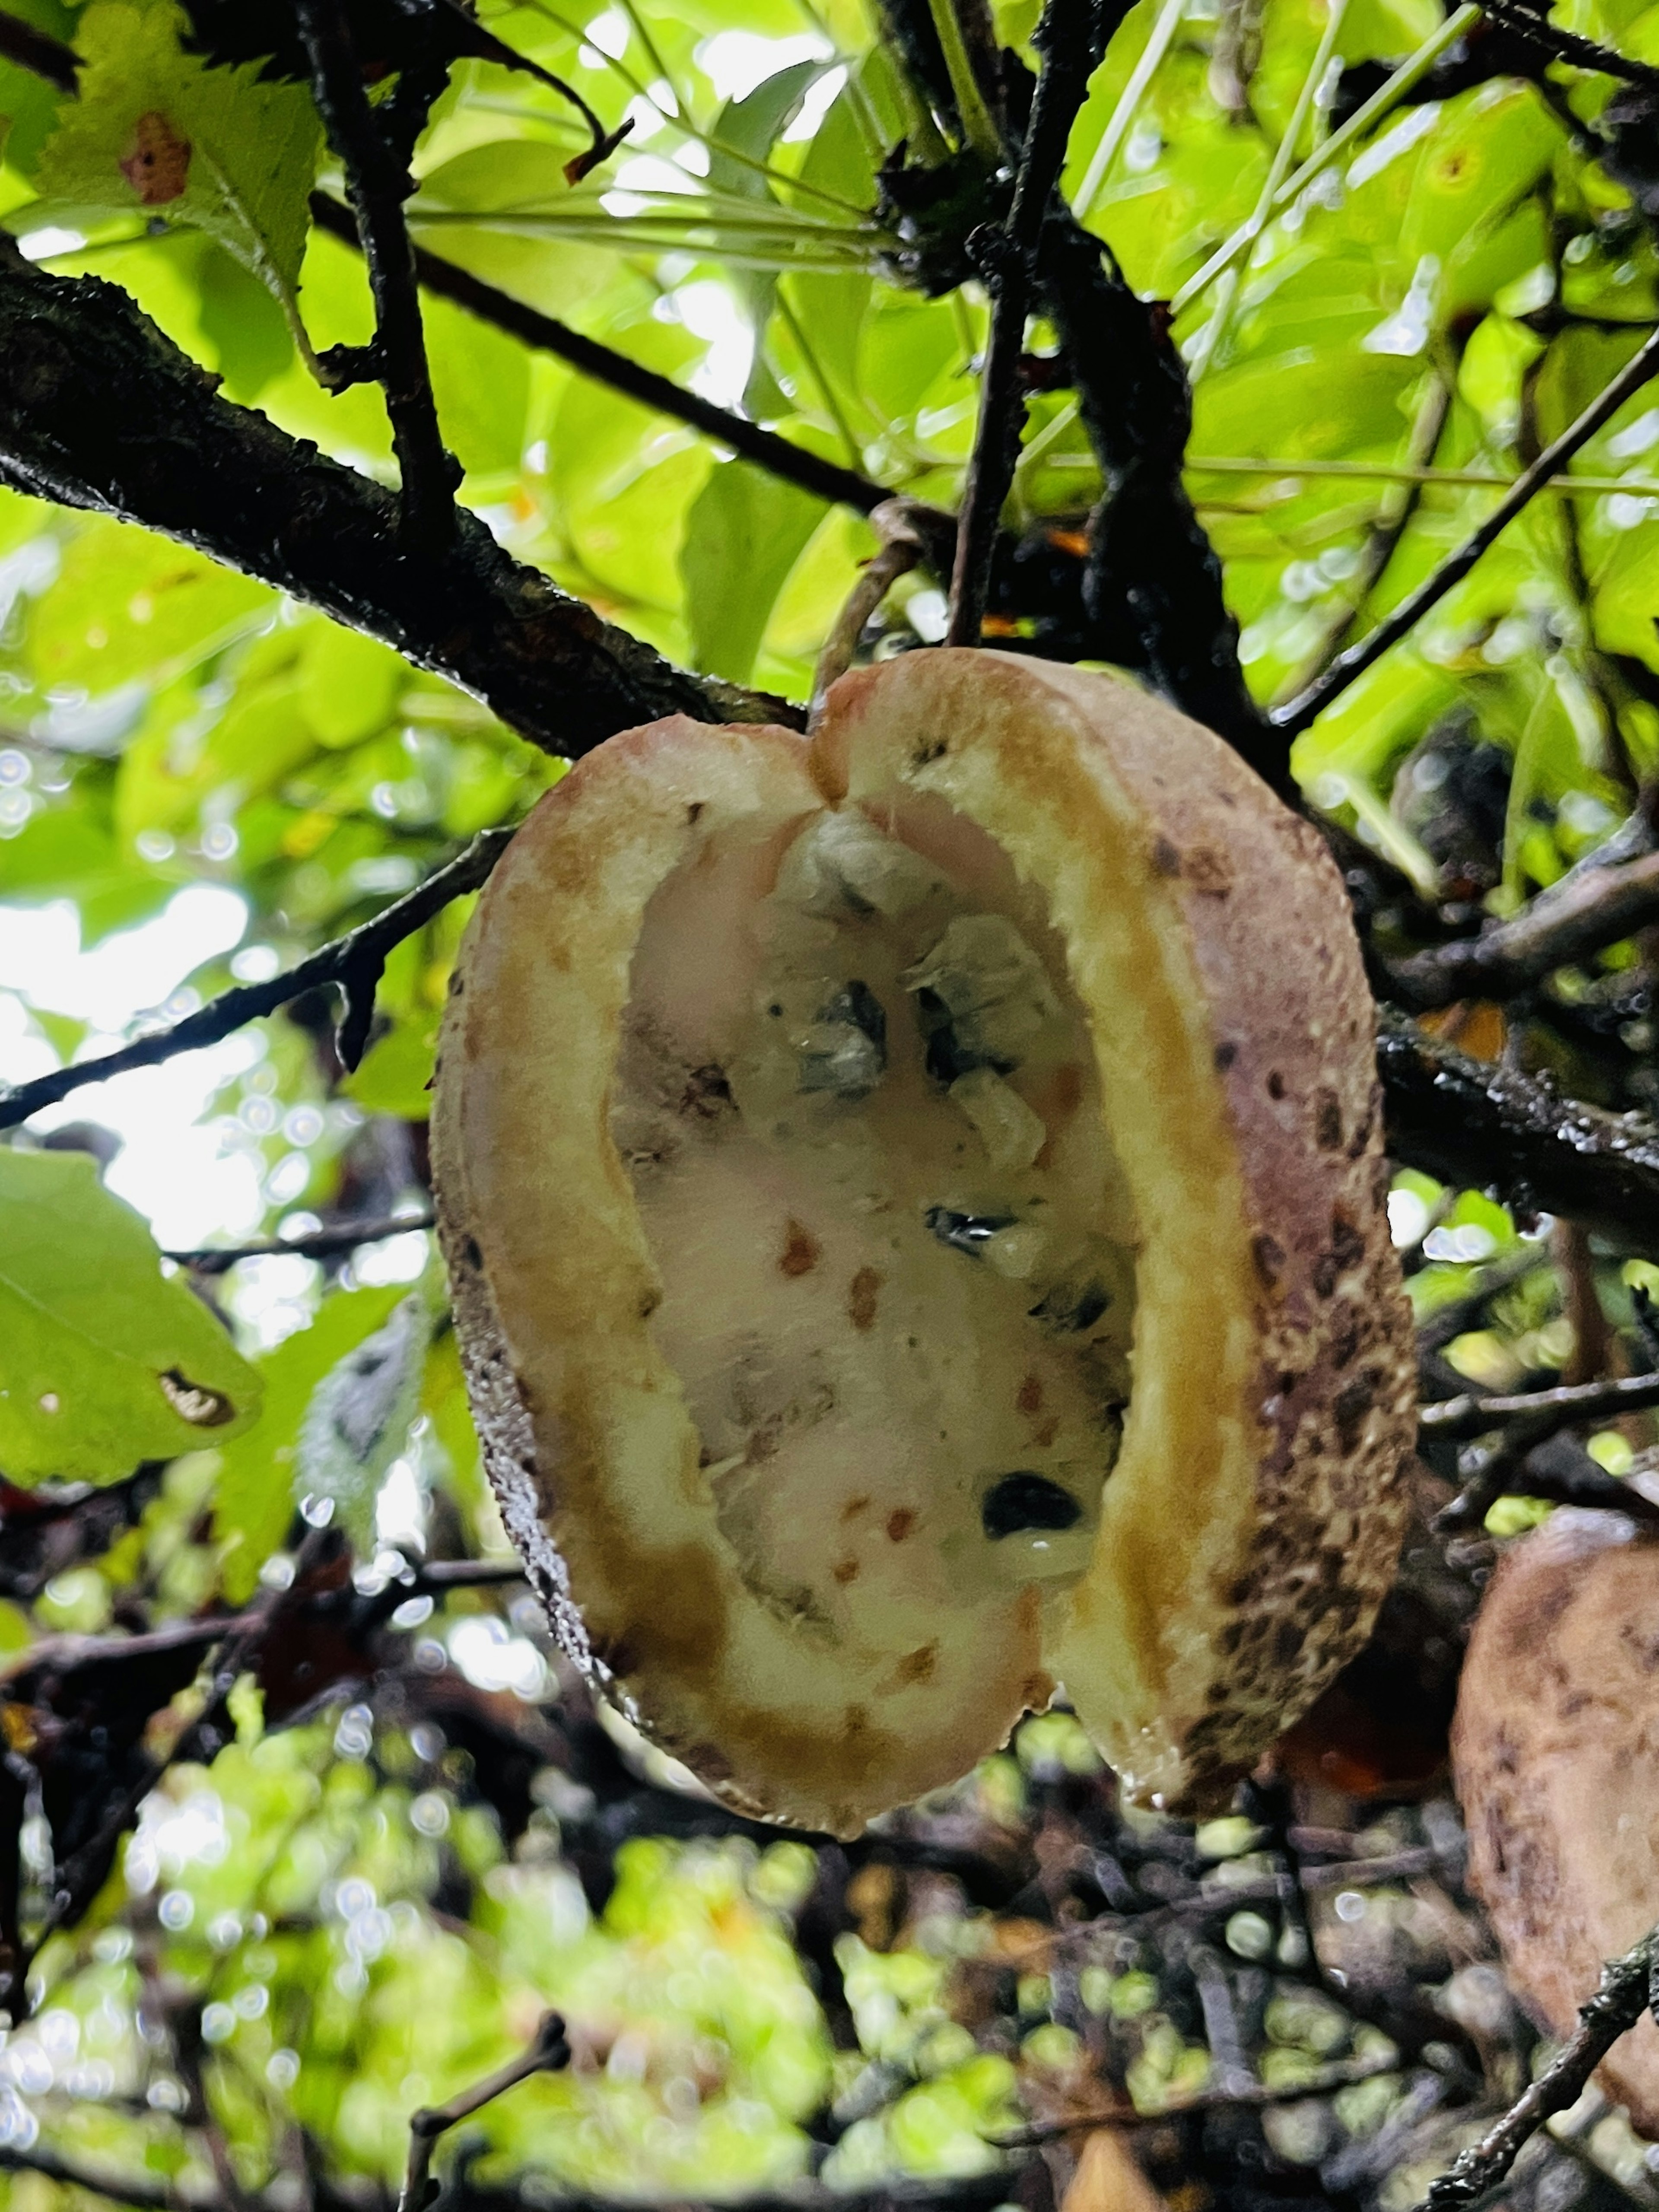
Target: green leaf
106,1361
28,105
396,1071
253,1504
358,1421
744,532
127,605
349,683
217,149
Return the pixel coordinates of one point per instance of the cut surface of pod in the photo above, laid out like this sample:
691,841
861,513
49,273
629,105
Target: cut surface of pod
915,1203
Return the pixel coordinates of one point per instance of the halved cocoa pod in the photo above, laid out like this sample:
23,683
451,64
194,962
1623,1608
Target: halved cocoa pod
1555,1749
915,1209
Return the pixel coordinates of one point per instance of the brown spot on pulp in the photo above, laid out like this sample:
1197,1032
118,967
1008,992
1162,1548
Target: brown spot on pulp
1166,861
853,1507
157,163
1029,1400
861,1296
845,1571
801,1250
918,1666
1327,1121
900,1524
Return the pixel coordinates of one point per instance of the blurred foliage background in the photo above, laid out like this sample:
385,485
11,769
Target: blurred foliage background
263,1918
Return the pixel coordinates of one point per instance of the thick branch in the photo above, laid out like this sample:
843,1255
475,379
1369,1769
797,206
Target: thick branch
1583,914
1299,712
1154,588
98,410
1063,38
1492,1127
352,962
378,184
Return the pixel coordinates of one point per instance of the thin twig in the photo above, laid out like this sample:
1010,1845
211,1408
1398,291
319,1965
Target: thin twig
447,280
352,962
1248,2094
378,184
1514,1467
39,52
1567,46
143,2191
79,1875
1614,2009
1299,712
547,2053
1596,909
1460,1315
1471,1416
314,1244
1008,264
902,547
1214,1901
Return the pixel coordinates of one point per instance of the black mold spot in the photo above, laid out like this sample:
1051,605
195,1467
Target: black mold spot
1072,1306
1024,1500
965,1232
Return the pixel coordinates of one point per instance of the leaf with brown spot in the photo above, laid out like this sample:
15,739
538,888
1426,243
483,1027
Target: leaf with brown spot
157,163
106,1361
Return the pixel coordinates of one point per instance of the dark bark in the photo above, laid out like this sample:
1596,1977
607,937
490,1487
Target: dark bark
1472,1122
1009,266
99,410
377,184
1154,583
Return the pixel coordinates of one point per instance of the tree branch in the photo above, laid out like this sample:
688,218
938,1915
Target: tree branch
547,2054
314,1244
143,2191
447,280
39,52
1154,583
377,185
1348,667
1008,261
1246,2095
1617,2006
1493,1127
1567,46
1516,1466
1542,1412
99,410
1575,918
351,963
